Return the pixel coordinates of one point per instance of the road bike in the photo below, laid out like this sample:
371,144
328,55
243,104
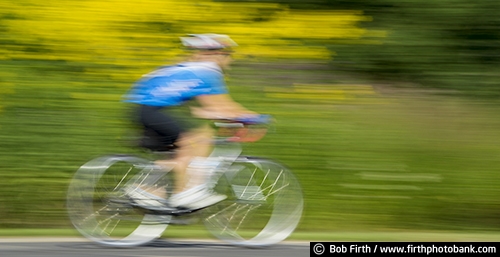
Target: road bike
264,201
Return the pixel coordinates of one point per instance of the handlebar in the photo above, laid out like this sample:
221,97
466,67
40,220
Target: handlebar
243,129
250,119
255,119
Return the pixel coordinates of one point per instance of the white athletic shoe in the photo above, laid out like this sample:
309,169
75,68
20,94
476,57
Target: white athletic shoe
195,198
145,199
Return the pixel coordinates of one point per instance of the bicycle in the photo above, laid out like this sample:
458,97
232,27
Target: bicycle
264,201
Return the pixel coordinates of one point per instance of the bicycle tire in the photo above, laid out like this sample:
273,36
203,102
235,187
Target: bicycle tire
264,204
99,210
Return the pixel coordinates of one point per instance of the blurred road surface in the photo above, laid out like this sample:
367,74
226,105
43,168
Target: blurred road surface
49,247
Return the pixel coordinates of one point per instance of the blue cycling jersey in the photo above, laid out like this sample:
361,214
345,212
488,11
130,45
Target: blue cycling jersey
173,85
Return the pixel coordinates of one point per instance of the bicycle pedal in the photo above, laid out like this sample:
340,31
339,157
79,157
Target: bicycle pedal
171,220
183,220
167,210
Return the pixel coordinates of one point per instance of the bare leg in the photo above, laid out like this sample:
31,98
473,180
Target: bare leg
195,143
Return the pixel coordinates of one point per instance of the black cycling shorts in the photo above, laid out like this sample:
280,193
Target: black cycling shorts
161,128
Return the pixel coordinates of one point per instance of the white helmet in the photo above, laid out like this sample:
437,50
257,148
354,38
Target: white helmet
207,41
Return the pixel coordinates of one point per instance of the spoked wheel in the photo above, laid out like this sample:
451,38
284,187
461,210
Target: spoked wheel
264,204
99,209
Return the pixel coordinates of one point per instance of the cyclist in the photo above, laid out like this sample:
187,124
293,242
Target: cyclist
159,98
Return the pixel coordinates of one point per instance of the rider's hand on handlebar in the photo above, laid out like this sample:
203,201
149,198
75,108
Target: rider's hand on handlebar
254,119
212,114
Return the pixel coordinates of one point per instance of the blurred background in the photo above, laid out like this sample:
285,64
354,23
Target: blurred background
387,111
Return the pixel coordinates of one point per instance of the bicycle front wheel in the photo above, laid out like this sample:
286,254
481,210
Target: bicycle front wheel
99,209
264,204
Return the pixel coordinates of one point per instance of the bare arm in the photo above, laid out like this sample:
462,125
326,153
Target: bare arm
219,106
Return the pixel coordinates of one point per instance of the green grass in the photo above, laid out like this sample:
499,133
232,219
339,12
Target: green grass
381,160
359,236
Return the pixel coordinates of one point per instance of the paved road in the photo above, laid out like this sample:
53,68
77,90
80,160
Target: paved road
172,248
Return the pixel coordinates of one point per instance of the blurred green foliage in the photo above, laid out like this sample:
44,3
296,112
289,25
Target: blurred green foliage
370,155
452,44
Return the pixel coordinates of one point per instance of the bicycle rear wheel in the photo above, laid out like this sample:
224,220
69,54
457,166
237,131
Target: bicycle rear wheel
99,209
264,204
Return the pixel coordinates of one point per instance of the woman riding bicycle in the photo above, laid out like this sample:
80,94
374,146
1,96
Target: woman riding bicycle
159,98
